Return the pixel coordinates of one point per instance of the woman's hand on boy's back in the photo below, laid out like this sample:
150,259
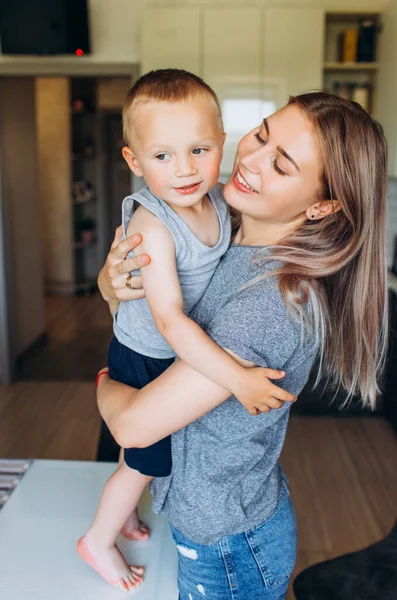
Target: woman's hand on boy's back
113,281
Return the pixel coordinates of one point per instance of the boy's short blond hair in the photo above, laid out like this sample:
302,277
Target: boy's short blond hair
165,85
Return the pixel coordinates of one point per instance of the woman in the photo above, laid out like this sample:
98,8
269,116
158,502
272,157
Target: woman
304,276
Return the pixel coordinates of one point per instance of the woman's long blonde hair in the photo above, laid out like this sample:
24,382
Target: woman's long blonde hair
338,263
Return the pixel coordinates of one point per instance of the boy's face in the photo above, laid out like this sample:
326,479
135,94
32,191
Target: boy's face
177,148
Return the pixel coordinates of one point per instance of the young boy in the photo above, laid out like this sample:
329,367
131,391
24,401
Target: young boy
172,124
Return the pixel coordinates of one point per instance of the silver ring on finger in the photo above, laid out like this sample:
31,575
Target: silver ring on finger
128,281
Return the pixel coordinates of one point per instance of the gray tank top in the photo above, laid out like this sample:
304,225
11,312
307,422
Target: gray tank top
133,323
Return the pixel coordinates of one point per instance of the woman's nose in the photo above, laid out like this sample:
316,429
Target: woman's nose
185,167
253,160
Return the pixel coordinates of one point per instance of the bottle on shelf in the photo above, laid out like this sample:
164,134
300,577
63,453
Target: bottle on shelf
366,41
348,46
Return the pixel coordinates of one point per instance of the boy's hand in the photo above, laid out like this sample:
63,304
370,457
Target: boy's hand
258,394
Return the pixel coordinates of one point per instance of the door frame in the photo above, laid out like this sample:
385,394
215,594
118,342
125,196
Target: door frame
7,358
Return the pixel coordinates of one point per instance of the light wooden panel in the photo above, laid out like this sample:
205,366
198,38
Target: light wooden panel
54,168
170,37
293,50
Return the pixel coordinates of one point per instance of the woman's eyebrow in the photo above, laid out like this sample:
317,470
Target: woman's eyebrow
279,148
288,157
266,124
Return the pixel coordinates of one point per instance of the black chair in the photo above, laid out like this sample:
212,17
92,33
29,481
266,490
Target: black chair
369,574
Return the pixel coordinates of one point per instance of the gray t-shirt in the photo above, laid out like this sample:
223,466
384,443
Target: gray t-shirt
225,475
196,262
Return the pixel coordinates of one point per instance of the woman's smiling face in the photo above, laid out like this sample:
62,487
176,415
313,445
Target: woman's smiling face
277,170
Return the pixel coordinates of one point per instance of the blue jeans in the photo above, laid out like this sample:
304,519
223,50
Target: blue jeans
248,566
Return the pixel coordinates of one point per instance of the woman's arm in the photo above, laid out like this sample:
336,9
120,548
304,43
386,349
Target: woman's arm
181,395
139,418
113,275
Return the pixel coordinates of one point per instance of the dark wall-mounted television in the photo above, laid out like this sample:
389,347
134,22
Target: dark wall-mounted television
44,27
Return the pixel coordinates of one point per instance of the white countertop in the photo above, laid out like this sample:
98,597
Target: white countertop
39,525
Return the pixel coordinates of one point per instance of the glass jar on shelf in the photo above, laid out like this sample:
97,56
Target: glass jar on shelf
362,95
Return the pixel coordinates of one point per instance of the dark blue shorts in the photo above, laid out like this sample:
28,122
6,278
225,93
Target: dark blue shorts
138,370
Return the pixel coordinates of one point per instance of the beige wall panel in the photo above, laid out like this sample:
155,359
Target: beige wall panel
293,48
387,83
112,92
232,49
170,37
19,183
54,155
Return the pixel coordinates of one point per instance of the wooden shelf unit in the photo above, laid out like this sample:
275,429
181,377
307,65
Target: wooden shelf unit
341,66
85,142
344,77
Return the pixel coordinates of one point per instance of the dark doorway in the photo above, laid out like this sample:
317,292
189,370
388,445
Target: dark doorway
117,176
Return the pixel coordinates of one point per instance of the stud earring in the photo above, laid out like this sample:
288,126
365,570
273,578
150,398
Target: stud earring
313,216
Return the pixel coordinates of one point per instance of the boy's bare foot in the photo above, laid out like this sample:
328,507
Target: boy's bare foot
135,529
109,563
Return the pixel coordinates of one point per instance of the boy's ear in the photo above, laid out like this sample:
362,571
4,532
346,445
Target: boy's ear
224,135
131,161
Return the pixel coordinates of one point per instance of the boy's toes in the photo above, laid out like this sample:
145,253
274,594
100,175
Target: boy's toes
133,581
140,533
137,571
123,585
